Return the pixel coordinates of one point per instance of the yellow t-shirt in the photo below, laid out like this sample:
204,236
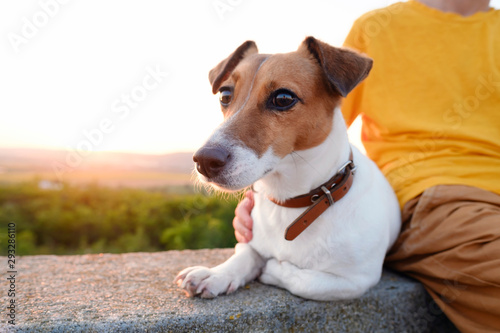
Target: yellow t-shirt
431,104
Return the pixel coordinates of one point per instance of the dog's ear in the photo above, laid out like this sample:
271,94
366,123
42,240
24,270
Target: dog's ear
343,68
221,72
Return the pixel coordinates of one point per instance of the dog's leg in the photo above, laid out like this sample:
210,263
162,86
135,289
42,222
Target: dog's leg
244,266
317,285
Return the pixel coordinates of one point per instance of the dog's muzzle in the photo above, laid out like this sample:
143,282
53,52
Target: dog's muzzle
210,161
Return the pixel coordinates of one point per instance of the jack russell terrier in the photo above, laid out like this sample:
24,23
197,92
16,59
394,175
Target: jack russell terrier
324,214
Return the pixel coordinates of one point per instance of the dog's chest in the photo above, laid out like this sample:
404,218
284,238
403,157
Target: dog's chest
317,247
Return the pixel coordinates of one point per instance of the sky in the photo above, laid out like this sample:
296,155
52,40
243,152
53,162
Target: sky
132,76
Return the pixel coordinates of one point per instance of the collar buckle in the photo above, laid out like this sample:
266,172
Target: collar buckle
328,195
349,164
333,190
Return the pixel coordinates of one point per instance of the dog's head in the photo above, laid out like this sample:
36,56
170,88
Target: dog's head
274,105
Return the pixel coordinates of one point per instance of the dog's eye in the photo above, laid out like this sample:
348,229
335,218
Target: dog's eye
225,96
282,100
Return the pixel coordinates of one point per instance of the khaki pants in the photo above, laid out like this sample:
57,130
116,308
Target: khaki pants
450,241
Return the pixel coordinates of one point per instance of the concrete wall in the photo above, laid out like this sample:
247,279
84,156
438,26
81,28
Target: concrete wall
134,293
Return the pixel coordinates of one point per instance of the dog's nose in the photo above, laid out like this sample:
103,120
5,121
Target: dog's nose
210,161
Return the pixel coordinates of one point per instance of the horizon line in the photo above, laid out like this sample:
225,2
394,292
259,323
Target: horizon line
111,151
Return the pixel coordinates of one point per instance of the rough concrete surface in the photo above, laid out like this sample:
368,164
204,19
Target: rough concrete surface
134,293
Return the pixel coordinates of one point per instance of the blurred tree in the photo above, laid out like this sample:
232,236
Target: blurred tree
94,219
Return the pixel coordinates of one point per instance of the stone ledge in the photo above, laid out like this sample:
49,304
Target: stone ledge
134,293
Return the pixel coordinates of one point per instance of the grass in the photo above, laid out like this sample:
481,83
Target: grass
64,218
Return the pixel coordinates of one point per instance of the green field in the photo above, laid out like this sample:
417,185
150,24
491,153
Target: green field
112,212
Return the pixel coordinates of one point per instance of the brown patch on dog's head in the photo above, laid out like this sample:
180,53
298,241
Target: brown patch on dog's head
315,77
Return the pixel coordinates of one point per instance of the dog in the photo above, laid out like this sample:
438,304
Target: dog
324,215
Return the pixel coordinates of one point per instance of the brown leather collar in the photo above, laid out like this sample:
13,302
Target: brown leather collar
319,199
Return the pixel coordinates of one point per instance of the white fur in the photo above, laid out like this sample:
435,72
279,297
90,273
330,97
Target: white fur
339,256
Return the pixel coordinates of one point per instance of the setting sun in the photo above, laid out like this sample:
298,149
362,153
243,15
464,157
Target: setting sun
84,77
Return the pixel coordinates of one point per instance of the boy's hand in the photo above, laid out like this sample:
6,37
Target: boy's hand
242,221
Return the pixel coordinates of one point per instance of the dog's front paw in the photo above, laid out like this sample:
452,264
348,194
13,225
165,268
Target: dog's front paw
205,282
